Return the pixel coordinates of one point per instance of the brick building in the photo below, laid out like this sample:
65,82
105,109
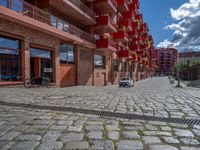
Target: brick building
167,58
189,56
191,73
74,42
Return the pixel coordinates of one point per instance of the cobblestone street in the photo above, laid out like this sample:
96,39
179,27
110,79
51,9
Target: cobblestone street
27,129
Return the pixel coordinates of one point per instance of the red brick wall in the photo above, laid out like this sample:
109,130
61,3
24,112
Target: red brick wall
31,36
100,77
85,66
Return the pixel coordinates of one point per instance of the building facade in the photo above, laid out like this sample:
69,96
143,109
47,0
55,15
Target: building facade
191,73
184,57
167,58
74,42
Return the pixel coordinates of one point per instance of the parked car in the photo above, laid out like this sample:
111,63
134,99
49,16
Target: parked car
126,82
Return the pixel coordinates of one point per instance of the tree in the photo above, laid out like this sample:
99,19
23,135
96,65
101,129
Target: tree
178,67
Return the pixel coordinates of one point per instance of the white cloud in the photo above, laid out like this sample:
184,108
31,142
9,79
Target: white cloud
190,9
187,30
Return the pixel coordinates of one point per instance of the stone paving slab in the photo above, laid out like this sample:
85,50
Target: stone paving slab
154,97
35,129
117,137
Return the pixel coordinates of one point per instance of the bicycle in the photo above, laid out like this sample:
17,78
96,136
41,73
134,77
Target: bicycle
41,81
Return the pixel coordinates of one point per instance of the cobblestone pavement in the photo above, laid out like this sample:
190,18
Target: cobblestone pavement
35,129
154,97
28,129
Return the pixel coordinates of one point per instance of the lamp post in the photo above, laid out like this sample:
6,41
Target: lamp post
177,74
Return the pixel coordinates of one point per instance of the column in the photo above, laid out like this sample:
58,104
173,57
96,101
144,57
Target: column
25,61
56,66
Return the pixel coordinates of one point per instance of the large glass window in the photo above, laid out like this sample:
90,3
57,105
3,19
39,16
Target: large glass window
16,5
9,59
4,3
66,53
99,61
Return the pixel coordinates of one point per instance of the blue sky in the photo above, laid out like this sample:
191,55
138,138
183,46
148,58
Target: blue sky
158,15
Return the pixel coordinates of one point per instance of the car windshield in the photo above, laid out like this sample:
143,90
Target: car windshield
125,79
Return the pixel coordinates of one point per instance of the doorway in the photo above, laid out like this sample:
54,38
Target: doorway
41,63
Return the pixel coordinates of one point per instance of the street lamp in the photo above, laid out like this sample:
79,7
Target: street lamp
177,74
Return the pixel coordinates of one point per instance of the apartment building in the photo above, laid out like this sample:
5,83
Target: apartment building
193,56
74,42
167,58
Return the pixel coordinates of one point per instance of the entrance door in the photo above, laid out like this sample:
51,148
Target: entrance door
35,67
41,63
47,68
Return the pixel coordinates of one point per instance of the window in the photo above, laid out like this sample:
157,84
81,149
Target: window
40,53
17,5
4,3
9,59
99,61
66,53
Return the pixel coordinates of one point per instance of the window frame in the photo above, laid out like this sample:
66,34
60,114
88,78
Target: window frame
67,54
16,50
103,61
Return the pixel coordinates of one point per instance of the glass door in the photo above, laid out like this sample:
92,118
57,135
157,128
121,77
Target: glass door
41,63
47,68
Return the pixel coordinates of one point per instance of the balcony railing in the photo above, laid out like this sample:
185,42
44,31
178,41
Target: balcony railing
113,2
104,43
83,7
104,20
45,17
112,43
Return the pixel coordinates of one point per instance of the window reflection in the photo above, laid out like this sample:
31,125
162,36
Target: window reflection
9,43
4,3
99,61
40,53
17,5
66,53
9,59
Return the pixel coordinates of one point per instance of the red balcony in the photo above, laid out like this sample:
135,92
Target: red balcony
144,28
105,6
142,47
126,23
123,53
138,17
120,36
129,15
122,5
133,58
74,9
134,47
134,6
135,25
132,34
106,45
104,25
141,53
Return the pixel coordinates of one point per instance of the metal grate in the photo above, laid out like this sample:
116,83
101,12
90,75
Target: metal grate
106,113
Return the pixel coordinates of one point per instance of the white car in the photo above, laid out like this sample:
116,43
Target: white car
126,82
